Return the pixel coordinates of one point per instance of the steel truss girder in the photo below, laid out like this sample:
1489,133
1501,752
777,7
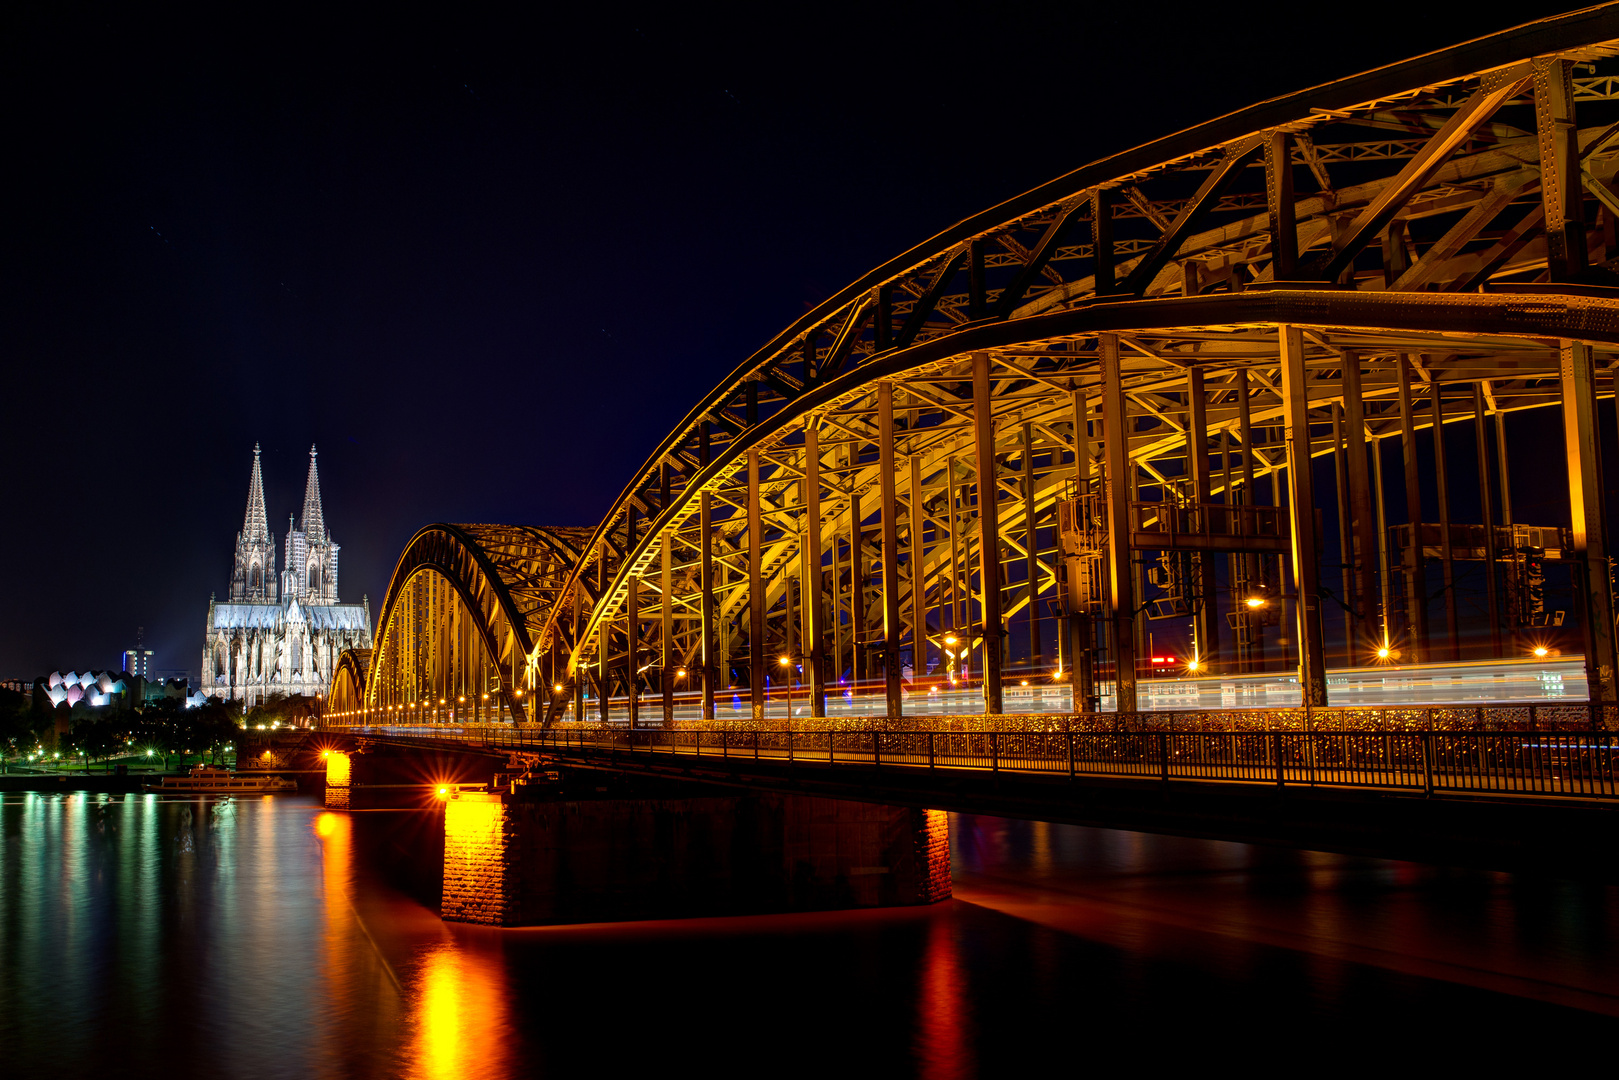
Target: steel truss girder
1190,213
508,579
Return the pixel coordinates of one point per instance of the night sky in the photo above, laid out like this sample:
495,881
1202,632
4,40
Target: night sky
486,264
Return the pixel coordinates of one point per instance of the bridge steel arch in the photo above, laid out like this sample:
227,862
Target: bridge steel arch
1142,357
463,625
347,693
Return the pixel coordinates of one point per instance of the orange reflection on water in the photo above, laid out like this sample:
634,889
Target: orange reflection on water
943,1042
459,1016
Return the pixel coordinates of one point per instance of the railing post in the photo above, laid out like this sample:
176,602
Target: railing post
994,752
755,744
1276,749
829,752
930,749
876,750
1070,734
1427,764
789,741
725,743
1163,756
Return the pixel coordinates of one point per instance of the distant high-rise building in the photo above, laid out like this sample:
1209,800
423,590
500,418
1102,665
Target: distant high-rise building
138,661
281,635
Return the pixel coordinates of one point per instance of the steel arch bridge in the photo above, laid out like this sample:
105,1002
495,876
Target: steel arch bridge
1006,449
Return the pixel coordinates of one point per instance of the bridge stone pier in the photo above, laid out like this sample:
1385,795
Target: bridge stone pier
514,859
545,845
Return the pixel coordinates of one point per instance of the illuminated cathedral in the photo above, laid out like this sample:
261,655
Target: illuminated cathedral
281,631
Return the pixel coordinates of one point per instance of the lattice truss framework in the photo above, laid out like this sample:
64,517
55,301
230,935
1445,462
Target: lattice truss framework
466,614
1443,224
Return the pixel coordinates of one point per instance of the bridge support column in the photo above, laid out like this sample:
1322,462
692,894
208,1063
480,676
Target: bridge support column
886,465
1206,606
1121,594
1301,510
814,577
516,861
989,533
1362,525
705,541
1486,498
756,591
1416,580
1593,594
1081,645
1447,559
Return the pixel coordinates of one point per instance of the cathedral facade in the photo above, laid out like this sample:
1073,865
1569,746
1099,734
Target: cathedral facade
281,631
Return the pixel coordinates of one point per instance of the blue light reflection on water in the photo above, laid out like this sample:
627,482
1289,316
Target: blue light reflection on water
144,936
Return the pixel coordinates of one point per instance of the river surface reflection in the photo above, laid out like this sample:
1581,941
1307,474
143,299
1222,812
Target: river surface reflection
142,936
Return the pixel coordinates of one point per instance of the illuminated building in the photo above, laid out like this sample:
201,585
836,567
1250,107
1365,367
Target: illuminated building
281,635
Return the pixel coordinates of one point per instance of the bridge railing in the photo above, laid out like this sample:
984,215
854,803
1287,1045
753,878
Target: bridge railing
1557,763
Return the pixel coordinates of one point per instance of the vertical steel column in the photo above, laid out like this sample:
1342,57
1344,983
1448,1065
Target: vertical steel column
1301,510
1416,581
1593,593
1031,547
1560,188
955,543
886,464
1252,628
1486,503
1363,530
814,580
705,541
1345,541
1081,654
667,661
989,532
573,663
1386,596
918,571
1510,570
1284,236
857,567
1206,604
1102,240
756,591
1447,563
1116,444
632,628
604,634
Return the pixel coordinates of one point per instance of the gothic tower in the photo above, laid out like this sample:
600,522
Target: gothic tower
253,579
311,568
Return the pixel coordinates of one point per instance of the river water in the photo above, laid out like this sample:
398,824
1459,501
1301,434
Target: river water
143,936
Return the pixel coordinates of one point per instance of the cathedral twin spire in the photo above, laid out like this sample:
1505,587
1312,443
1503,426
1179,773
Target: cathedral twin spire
311,557
257,525
314,520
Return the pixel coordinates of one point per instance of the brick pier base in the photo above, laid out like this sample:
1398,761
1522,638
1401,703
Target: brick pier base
515,862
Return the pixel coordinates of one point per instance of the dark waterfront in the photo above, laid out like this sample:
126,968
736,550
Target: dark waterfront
145,936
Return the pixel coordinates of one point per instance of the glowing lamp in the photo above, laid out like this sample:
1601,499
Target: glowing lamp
1255,601
785,660
1192,665
557,689
443,793
1383,653
1540,650
681,673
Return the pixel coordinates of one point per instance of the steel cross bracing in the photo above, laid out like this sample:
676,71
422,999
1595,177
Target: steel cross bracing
1325,264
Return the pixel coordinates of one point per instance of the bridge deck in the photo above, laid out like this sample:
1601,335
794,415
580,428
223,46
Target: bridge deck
1564,764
